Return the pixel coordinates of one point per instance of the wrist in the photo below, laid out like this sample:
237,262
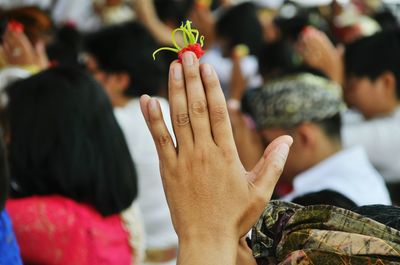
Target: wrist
206,248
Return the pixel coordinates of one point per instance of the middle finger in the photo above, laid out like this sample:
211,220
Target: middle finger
196,98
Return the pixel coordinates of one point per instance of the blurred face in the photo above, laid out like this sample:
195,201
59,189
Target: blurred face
225,47
114,84
94,69
366,95
295,162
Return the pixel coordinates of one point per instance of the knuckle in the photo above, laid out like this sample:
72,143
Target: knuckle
182,119
212,82
163,139
276,166
219,113
229,154
201,156
191,75
199,107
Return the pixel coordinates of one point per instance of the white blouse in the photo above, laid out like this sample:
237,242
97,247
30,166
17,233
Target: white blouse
158,225
380,137
348,172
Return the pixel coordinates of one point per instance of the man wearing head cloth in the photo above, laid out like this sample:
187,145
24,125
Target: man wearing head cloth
308,107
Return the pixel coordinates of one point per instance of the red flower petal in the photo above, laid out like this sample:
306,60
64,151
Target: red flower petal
195,48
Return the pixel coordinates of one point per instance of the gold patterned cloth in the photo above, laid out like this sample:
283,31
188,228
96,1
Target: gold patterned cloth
288,233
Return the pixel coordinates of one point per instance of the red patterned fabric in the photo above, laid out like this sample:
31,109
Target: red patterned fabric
53,230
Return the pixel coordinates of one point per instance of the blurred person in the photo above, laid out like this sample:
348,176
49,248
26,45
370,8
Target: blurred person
37,23
119,57
73,182
232,31
318,52
308,107
237,25
25,33
113,12
368,70
349,21
372,88
66,48
161,17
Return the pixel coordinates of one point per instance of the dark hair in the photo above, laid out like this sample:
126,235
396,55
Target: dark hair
384,214
240,25
66,48
331,126
386,19
3,27
277,58
175,11
325,197
372,56
65,140
291,25
128,48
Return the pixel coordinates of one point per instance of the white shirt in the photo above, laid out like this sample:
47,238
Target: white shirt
9,75
380,138
158,225
348,172
223,68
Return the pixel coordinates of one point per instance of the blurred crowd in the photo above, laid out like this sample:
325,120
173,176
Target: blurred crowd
80,178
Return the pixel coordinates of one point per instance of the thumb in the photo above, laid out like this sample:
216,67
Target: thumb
268,170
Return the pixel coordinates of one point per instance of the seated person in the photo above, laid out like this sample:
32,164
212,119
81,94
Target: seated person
120,59
373,88
231,30
54,229
64,140
308,107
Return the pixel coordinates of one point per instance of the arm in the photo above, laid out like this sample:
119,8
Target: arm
204,170
248,142
147,14
318,52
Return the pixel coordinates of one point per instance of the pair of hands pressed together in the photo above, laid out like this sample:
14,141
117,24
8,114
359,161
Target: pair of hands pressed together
19,51
213,200
320,53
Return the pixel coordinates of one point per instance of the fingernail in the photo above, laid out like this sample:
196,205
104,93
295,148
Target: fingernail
283,150
153,104
177,72
207,70
188,58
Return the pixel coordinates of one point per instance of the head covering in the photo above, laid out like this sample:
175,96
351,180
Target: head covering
293,99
